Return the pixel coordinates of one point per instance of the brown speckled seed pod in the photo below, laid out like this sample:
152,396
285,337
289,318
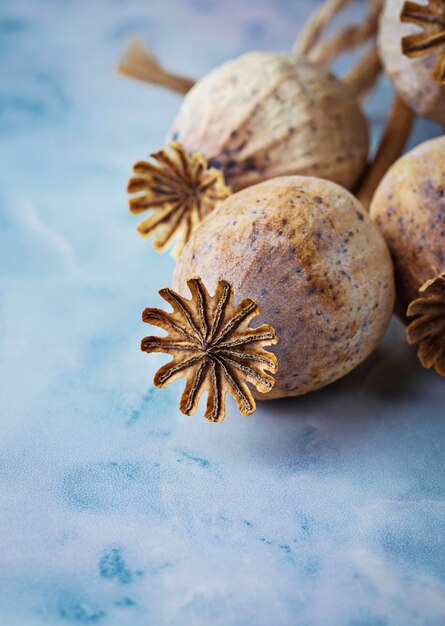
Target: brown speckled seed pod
268,114
307,252
409,208
415,74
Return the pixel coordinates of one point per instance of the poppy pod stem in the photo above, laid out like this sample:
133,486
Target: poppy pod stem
362,77
316,24
392,142
139,63
347,38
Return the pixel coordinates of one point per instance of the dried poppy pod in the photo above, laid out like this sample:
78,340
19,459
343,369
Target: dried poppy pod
306,250
268,114
412,48
262,115
409,208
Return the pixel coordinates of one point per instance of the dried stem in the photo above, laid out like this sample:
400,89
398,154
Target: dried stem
363,76
139,63
316,24
347,38
395,135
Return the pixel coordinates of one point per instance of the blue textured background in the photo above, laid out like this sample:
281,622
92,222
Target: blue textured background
326,510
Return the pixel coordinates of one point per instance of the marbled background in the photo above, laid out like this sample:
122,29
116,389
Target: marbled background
326,510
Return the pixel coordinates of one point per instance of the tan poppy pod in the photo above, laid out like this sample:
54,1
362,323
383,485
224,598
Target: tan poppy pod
412,48
307,252
267,114
409,208
262,115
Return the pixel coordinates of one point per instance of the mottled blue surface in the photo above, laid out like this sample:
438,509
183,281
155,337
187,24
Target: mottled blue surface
327,510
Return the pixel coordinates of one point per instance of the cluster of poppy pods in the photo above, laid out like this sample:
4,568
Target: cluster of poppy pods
268,197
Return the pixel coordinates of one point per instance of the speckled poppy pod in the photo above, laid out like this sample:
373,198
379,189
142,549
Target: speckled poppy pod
308,252
267,114
412,48
213,347
262,115
411,43
409,208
